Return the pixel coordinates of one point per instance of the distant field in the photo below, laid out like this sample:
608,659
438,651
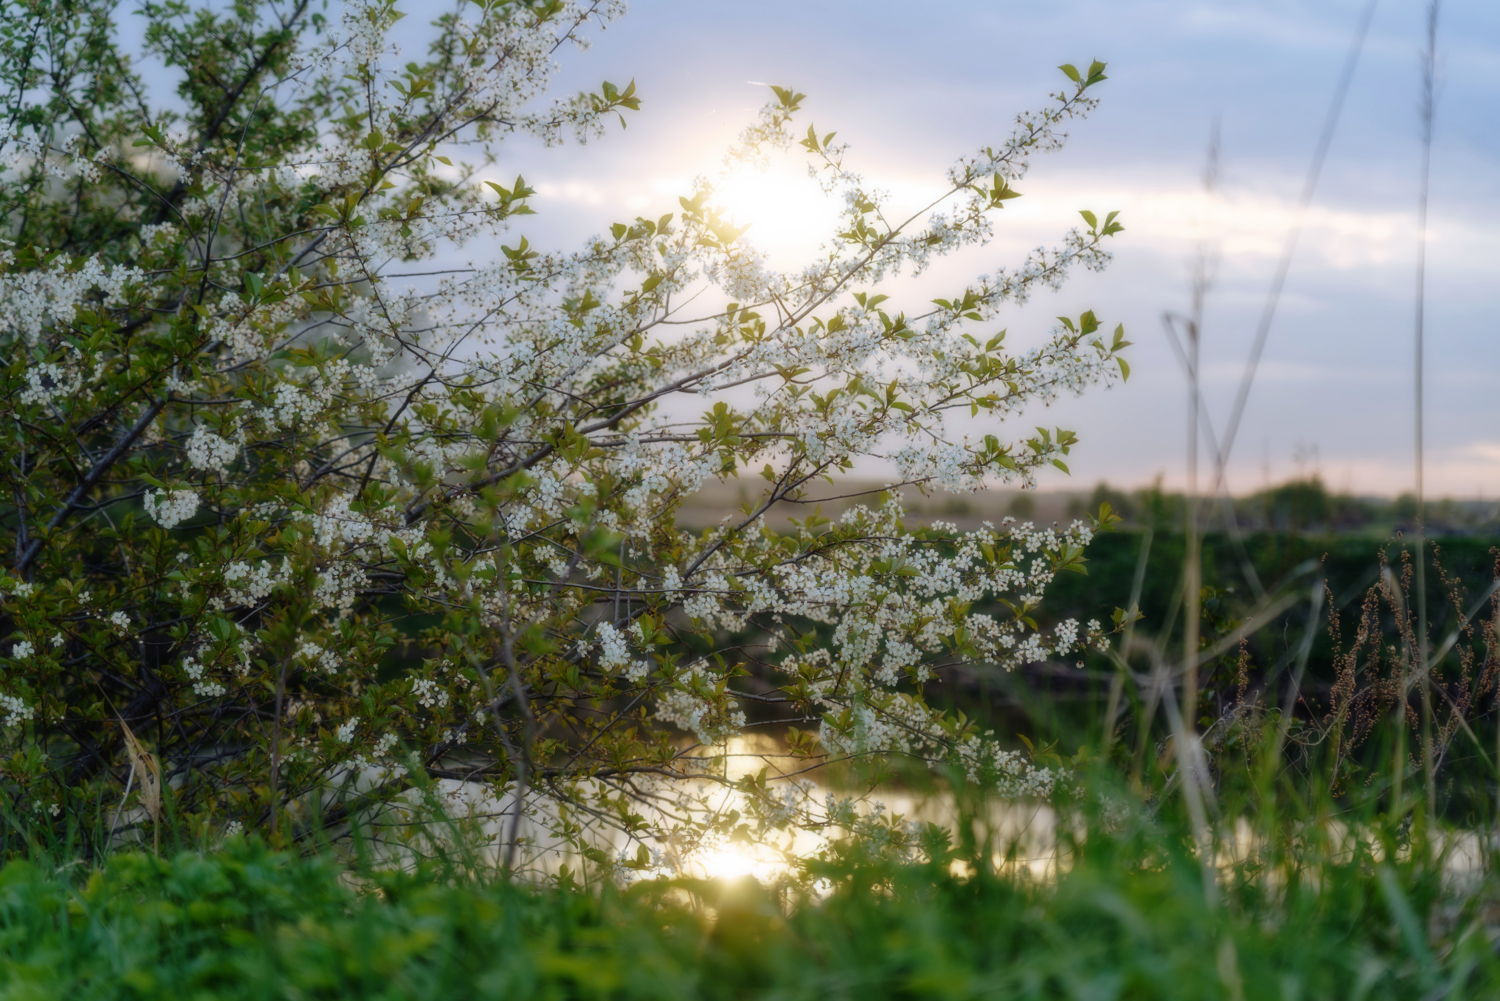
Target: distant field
1300,506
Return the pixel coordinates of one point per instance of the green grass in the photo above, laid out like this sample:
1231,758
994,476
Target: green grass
1129,919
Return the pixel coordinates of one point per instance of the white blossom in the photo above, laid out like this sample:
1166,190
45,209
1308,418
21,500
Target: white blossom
207,451
195,671
14,709
47,382
314,654
429,693
171,508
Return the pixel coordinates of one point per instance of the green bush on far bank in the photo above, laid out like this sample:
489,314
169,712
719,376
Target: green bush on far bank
1298,506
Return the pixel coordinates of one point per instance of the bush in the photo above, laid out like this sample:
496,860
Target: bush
1129,919
288,533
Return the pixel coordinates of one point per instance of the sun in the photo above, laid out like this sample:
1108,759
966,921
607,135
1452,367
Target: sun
788,214
729,863
736,861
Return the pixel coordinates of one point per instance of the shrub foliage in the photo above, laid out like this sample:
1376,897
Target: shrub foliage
301,505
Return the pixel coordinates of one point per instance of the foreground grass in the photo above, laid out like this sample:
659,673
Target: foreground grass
1129,920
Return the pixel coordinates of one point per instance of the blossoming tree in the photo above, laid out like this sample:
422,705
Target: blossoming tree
316,515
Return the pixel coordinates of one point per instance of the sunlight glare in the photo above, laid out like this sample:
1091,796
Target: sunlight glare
737,861
788,214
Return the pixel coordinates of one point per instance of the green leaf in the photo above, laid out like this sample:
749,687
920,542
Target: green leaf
789,98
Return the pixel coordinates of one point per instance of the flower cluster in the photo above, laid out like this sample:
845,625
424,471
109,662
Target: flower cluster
15,709
170,508
195,672
207,451
46,382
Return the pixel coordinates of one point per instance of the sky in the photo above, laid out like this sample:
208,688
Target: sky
913,86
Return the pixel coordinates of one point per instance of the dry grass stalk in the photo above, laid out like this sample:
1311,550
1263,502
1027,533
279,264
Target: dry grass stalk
144,763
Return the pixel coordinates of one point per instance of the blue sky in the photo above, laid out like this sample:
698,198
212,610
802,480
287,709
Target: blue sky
913,86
